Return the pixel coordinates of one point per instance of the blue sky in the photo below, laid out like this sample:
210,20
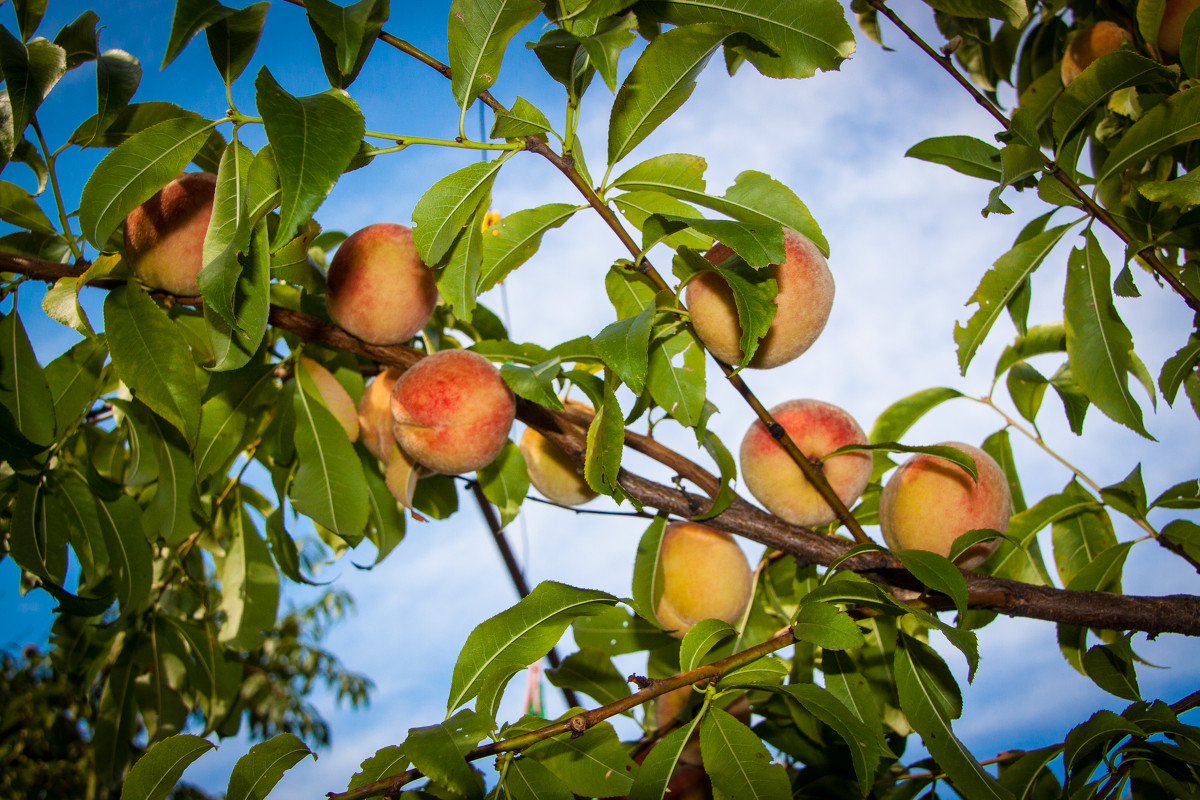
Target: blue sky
908,245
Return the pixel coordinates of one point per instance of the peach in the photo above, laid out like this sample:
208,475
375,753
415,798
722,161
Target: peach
375,414
705,575
929,502
452,411
1089,44
804,300
334,396
1170,30
551,471
817,428
379,290
164,236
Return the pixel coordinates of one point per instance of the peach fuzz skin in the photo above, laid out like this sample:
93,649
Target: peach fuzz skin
379,290
375,414
929,502
452,411
1089,44
817,428
1170,30
551,471
804,301
164,236
705,575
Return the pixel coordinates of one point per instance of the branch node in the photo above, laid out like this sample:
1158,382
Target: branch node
579,726
640,681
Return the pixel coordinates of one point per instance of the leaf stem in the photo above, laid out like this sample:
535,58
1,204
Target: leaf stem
63,218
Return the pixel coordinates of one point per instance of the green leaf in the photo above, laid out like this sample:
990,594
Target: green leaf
754,196
234,345
134,171
523,119
511,242
17,207
659,83
314,139
592,672
624,346
1177,368
228,232
1038,340
169,515
647,585
1018,557
1012,11
505,482
1081,536
930,699
825,626
656,770
79,40
386,762
160,768
862,741
630,292
152,358
458,283
605,444
759,244
676,377
233,40
118,75
901,415
615,631
1174,121
116,722
479,32
1128,496
801,38
593,765
1185,535
224,416
526,779
1105,75
534,383
130,557
1088,742
964,154
1102,574
999,286
29,15
738,762
515,638
638,207
30,72
438,750
938,573
329,485
78,505
450,204
256,773
724,459
1110,666
700,640
1099,345
613,34
191,17
249,584
345,36
24,390
753,291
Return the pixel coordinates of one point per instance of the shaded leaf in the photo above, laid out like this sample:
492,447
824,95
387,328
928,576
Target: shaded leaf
738,762
256,773
964,154
233,39
505,482
160,768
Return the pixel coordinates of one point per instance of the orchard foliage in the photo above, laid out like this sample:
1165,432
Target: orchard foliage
122,491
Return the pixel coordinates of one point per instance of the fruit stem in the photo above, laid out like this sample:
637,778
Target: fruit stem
1147,254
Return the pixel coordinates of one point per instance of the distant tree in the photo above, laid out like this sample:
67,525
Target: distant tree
126,457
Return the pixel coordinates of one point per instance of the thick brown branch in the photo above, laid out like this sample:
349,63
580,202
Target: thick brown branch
1152,615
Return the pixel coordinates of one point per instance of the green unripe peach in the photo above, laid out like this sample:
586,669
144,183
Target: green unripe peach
929,502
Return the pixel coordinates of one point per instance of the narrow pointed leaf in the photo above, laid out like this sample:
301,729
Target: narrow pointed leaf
624,346
24,390
191,17
505,482
515,238
249,585
233,40
655,773
517,637
155,774
738,762
964,154
256,773
1105,75
1174,121
449,205
479,32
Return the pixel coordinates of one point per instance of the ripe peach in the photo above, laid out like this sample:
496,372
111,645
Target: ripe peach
334,395
375,414
164,236
551,471
379,290
705,575
929,502
817,428
1090,43
804,300
1170,30
452,411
